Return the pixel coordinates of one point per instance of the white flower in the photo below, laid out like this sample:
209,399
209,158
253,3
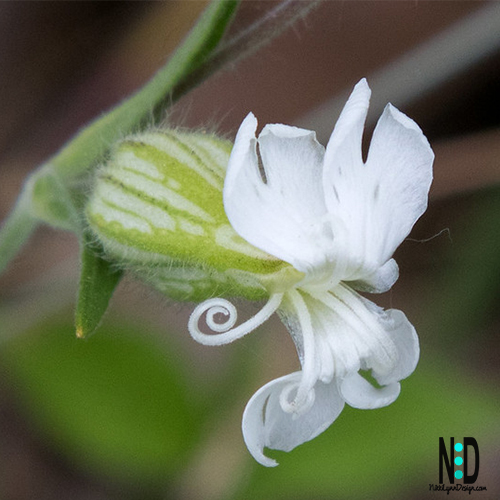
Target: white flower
337,220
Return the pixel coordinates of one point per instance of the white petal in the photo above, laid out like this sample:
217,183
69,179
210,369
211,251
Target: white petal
351,333
401,160
359,393
243,192
344,184
343,152
293,162
265,424
374,206
281,215
405,339
380,281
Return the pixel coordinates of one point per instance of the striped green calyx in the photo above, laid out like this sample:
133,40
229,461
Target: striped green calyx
156,208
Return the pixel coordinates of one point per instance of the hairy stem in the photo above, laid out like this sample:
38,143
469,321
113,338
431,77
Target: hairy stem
17,228
94,141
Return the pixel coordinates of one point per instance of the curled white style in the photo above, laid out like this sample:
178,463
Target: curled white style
226,332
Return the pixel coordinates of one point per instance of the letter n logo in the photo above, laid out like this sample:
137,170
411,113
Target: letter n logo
448,462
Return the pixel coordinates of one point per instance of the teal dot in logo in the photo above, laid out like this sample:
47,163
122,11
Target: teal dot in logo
458,474
459,447
459,460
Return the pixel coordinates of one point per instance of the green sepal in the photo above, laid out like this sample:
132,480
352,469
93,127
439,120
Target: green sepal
98,281
157,209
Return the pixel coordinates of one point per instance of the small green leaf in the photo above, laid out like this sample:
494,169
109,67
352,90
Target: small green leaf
98,281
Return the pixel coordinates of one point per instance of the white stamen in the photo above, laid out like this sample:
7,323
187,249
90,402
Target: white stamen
289,405
302,400
351,308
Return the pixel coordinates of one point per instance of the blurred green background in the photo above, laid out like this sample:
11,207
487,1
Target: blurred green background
139,411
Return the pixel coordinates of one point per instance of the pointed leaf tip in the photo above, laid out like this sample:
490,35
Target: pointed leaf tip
98,281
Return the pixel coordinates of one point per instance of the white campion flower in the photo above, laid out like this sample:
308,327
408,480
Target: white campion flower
337,220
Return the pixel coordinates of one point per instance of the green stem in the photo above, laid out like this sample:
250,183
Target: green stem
17,228
91,144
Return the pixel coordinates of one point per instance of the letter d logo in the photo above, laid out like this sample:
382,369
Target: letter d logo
469,441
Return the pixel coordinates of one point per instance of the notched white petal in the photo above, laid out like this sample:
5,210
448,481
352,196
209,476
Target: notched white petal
359,393
243,154
286,131
344,184
277,214
400,164
344,145
266,425
246,198
292,159
374,205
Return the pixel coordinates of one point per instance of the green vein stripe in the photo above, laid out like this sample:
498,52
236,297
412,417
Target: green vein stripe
129,203
175,149
198,214
188,149
127,160
192,144
111,212
214,153
188,181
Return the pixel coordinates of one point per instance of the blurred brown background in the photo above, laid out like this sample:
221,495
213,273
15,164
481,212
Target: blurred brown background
63,63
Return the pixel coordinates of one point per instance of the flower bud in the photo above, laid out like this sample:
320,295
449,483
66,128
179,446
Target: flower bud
156,208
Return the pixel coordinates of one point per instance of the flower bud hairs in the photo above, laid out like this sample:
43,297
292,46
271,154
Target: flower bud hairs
321,226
